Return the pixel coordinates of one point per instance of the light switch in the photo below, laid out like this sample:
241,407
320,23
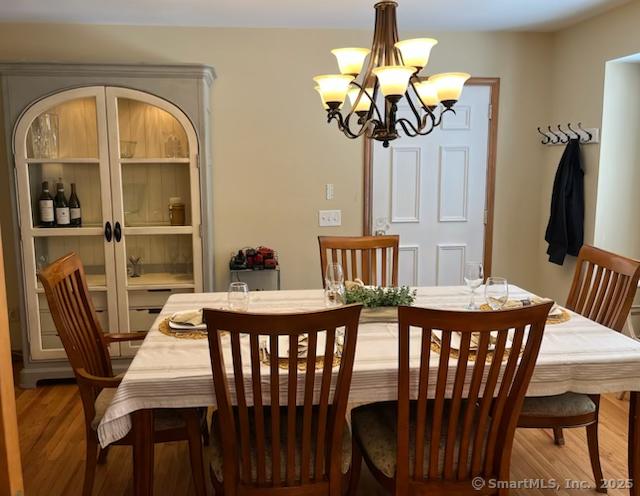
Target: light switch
330,218
328,190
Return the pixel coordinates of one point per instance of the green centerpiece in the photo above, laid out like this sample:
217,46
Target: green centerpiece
380,304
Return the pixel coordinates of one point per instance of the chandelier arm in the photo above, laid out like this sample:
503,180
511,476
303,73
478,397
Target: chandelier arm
406,122
438,121
395,37
408,127
358,133
344,124
422,131
371,98
413,107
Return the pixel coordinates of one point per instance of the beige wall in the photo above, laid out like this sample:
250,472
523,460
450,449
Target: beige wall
273,151
579,55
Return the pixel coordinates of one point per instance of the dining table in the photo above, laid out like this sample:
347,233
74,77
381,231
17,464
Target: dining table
577,355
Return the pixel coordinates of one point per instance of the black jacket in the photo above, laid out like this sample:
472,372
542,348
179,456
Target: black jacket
565,231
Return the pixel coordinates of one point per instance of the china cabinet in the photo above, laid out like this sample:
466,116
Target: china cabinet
137,156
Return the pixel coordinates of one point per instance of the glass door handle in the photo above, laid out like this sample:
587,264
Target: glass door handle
117,232
108,233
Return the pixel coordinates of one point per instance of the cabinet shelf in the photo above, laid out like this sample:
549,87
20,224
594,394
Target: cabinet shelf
163,160
95,282
158,230
91,230
160,280
63,161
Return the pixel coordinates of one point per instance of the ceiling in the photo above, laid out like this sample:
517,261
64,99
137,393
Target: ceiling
435,15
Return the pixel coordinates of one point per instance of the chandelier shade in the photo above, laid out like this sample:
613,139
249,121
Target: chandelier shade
415,52
333,88
428,93
393,79
364,103
350,60
449,85
379,80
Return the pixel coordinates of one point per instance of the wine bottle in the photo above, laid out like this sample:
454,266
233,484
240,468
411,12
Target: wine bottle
61,207
75,214
45,202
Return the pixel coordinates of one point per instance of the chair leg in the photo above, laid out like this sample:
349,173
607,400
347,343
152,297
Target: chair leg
102,455
558,437
90,462
218,488
356,466
204,427
192,419
594,455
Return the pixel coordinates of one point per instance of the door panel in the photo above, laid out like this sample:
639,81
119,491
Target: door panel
64,137
431,190
153,163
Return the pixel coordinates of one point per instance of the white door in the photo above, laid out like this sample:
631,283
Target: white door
431,190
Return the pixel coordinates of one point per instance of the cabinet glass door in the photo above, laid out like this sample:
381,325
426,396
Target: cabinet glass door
62,139
155,202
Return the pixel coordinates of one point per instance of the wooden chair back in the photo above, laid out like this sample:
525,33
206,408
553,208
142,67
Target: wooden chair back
265,391
466,430
362,257
74,315
604,285
65,286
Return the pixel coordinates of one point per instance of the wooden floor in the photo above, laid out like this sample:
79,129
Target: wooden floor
52,444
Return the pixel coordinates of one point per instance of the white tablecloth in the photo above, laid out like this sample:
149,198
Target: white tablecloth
578,355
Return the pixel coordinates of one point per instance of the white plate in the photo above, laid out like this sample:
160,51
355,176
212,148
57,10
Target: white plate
187,327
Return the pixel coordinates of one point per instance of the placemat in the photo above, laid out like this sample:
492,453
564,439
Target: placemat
551,319
164,328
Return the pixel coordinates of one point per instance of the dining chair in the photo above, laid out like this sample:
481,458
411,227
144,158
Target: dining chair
362,257
281,429
603,288
87,348
473,372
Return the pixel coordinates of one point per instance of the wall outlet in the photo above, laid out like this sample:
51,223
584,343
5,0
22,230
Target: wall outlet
330,218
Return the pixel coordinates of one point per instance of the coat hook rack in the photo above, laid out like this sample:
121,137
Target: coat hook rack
559,136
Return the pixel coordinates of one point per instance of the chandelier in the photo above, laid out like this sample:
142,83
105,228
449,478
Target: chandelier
393,69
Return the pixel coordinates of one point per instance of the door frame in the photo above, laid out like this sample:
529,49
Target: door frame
494,85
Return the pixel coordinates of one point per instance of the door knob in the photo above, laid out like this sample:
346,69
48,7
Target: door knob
108,233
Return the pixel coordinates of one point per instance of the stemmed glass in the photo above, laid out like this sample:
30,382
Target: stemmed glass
334,284
238,296
496,292
473,276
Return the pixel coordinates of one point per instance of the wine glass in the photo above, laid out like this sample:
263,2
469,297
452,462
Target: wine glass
238,296
334,284
496,292
473,275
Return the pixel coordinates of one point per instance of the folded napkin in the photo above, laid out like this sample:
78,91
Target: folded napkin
456,340
303,344
187,320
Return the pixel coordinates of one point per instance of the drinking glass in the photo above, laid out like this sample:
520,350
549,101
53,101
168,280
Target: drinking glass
473,275
496,292
334,284
238,296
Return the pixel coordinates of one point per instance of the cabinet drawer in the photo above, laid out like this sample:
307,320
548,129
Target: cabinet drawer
141,319
151,298
99,299
48,326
